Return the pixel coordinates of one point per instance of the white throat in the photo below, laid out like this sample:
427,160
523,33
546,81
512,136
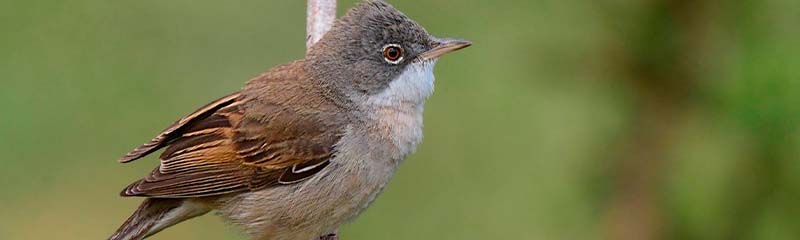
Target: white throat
412,87
397,111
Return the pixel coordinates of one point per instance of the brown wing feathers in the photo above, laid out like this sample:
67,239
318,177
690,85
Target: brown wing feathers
298,145
168,134
199,160
217,150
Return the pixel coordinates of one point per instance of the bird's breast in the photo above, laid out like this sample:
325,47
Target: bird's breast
399,130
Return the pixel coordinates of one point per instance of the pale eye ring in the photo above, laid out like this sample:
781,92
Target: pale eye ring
393,53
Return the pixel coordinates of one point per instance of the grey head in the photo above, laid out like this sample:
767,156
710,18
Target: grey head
374,45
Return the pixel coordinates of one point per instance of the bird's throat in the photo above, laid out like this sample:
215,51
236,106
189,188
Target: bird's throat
410,89
397,111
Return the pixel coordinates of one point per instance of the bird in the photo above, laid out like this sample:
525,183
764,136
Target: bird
304,147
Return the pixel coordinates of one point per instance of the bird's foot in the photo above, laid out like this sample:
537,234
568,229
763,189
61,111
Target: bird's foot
331,236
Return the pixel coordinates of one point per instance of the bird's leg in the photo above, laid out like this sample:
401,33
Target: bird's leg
332,236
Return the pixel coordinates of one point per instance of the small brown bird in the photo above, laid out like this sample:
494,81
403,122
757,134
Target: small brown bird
304,147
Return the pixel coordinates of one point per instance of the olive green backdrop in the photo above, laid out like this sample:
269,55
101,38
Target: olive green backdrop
567,119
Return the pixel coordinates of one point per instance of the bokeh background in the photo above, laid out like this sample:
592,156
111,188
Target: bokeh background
568,119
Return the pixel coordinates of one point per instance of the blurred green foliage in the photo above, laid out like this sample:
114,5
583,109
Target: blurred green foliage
519,137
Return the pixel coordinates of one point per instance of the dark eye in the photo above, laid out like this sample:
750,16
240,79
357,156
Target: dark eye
393,53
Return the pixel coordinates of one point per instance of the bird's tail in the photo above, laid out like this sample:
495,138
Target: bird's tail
155,214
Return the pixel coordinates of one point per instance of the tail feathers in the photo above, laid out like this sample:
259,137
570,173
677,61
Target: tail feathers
155,215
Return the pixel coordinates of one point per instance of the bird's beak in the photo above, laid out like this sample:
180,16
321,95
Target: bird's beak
443,46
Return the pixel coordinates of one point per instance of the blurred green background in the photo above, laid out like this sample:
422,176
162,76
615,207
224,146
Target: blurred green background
568,119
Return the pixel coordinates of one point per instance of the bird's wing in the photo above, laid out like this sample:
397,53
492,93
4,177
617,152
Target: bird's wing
219,149
171,133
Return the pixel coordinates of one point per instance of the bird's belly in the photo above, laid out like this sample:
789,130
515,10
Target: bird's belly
311,208
365,162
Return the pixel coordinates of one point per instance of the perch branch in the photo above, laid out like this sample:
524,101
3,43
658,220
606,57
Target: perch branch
321,14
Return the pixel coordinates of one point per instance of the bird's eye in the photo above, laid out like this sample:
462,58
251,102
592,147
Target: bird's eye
393,53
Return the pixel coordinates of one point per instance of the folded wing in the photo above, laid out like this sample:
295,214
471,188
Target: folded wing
220,149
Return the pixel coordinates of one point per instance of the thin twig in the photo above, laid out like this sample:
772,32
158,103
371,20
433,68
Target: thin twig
321,14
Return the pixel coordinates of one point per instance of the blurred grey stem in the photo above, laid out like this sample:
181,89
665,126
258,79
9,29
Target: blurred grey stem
320,16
